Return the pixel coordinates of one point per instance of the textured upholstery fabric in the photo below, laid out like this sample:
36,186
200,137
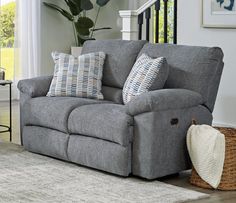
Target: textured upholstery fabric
194,68
77,76
112,94
29,88
146,74
159,148
120,58
99,154
35,87
104,121
24,98
46,141
53,112
165,99
148,133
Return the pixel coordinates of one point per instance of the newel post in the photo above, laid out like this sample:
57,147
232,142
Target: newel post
129,25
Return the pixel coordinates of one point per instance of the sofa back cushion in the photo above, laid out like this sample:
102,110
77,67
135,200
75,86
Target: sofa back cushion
112,94
194,68
120,58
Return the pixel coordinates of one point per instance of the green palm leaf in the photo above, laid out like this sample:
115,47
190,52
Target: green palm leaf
102,2
83,25
83,4
75,9
60,10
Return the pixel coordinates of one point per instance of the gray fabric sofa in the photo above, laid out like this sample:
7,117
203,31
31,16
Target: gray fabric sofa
146,137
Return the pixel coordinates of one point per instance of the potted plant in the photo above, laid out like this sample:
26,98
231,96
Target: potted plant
83,26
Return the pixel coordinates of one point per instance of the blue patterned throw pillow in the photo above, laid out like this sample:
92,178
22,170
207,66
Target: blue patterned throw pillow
147,74
77,76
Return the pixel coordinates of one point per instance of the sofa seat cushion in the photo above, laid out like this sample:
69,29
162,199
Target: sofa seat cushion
103,121
53,112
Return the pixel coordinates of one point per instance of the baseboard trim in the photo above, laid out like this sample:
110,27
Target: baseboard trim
226,125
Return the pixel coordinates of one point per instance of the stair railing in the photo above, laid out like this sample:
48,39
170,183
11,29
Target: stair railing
133,21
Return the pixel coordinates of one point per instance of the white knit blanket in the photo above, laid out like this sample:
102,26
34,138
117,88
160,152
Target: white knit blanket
206,147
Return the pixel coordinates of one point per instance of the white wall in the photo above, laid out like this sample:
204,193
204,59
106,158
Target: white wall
191,33
56,35
135,4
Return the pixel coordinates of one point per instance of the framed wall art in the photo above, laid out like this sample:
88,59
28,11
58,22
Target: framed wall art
219,13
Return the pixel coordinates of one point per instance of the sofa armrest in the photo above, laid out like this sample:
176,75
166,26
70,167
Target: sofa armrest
35,87
165,99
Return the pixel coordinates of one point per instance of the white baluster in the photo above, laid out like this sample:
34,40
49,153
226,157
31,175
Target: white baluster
129,25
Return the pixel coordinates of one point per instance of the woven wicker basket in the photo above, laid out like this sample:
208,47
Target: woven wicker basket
228,179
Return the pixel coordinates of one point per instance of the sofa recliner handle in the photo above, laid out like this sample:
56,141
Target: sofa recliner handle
174,121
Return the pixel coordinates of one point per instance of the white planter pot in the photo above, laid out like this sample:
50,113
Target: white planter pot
76,51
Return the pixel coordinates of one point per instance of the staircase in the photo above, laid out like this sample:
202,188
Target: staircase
146,22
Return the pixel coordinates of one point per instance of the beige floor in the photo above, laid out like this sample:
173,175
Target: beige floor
181,180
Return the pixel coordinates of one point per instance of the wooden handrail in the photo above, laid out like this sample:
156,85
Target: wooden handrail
145,6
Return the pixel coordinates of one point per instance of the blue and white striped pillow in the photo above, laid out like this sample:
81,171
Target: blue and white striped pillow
147,74
77,76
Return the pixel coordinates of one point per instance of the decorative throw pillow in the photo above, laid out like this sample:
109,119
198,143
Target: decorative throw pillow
147,74
77,76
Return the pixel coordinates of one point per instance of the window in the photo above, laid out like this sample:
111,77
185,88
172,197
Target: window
7,18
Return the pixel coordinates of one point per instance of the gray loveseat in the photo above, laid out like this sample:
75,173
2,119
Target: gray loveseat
146,137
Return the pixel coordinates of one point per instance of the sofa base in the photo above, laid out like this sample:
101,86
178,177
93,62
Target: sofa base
91,152
158,149
45,141
100,154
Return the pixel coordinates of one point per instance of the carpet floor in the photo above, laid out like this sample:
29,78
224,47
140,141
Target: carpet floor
27,177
